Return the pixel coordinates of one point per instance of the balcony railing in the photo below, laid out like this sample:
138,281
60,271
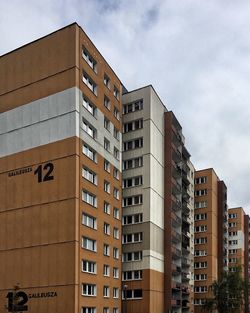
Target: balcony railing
176,253
176,237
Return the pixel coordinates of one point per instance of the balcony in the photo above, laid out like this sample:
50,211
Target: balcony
176,188
176,270
176,237
175,303
176,253
176,170
185,277
176,205
185,249
176,220
185,262
185,290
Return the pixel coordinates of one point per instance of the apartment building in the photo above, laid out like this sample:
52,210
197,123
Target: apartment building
157,205
60,177
210,233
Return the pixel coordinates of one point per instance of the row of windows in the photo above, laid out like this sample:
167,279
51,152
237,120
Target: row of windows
200,265
200,192
233,242
233,233
132,238
200,289
91,290
91,268
132,256
200,229
132,275
132,163
132,200
232,260
232,215
91,245
200,180
133,144
232,224
132,125
91,221
199,301
132,294
93,64
200,204
132,182
133,106
132,219
200,253
200,277
199,241
232,251
200,217
93,310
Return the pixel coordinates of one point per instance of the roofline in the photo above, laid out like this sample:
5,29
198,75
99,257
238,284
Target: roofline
144,87
58,30
209,169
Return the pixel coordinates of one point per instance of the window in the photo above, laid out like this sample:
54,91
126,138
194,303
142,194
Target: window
107,166
115,293
105,310
200,204
132,275
200,192
88,105
132,256
132,294
106,229
89,129
232,260
132,163
106,123
88,290
116,153
232,224
232,215
115,272
133,144
200,289
89,83
106,102
200,241
232,251
106,250
116,253
132,182
116,193
199,301
132,238
106,270
200,264
116,93
88,310
200,217
106,144
116,213
89,152
200,229
116,173
233,242
132,219
116,233
106,186
200,277
106,81
89,175
89,244
133,125
116,134
89,59
200,253
200,180
132,107
115,310
233,233
116,113
89,266
89,221
89,198
133,200
106,291
106,207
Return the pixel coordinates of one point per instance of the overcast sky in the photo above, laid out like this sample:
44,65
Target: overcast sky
196,54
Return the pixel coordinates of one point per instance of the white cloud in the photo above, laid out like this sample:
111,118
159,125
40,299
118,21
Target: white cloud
195,53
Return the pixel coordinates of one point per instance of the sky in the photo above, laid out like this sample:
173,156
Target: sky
196,54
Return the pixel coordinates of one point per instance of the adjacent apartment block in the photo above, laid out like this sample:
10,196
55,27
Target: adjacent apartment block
60,177
157,204
210,233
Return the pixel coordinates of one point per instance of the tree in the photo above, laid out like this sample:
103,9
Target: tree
228,293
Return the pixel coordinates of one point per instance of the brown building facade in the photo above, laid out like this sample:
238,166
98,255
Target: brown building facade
60,176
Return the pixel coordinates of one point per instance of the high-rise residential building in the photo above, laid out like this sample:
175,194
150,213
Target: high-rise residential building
60,177
210,233
157,205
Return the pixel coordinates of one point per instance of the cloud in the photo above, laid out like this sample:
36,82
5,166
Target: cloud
195,53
